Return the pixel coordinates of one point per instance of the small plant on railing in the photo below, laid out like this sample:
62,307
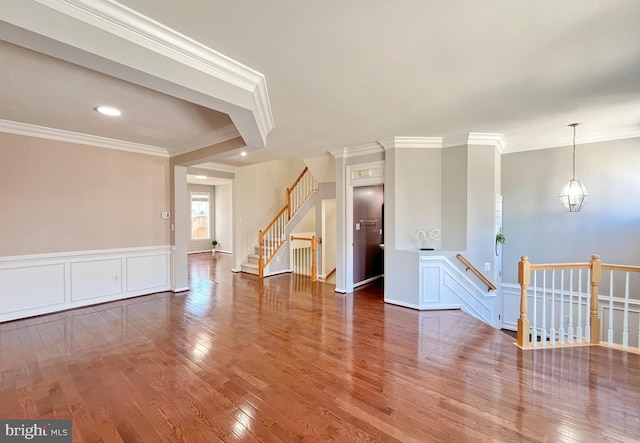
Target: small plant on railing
500,240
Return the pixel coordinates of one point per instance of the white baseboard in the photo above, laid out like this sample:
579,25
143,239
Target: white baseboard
42,283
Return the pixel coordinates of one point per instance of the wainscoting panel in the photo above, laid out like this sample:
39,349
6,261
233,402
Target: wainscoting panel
95,278
40,286
43,283
147,272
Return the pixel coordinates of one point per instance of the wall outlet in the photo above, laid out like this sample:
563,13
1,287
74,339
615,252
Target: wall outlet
165,215
487,266
115,278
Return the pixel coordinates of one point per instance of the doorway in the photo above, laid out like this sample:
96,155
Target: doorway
368,233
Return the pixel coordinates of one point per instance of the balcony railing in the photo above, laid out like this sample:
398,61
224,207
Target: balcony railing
563,304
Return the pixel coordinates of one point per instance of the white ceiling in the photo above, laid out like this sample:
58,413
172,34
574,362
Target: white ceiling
342,74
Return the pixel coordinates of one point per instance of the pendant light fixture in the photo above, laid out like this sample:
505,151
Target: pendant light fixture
573,194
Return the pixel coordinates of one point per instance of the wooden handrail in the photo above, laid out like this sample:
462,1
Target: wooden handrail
289,189
275,219
552,266
314,259
623,268
318,240
262,262
485,280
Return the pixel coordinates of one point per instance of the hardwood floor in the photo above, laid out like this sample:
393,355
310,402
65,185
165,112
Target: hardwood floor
236,359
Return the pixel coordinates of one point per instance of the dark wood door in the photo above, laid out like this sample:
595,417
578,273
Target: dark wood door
367,232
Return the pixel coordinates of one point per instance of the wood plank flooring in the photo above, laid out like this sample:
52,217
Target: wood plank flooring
237,359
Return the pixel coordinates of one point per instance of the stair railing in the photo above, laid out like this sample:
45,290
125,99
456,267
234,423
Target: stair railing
271,238
304,260
476,271
566,306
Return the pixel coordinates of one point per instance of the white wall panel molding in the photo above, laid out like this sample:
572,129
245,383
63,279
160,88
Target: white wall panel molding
364,174
442,285
43,283
78,138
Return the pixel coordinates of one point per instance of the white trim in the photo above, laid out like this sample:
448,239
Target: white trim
412,142
350,183
76,137
356,151
369,280
220,135
489,139
68,280
607,136
98,252
145,32
217,167
403,304
477,138
185,289
282,271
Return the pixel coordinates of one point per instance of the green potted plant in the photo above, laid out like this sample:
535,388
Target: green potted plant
500,240
214,245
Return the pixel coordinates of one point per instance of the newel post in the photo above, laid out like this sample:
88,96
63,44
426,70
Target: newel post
260,254
524,278
314,264
596,278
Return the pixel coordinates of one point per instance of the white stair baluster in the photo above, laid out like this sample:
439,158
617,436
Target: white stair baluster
587,309
552,330
534,335
570,328
625,324
579,329
561,331
543,335
610,329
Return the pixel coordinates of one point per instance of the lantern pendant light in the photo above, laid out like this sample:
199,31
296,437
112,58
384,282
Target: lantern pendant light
573,194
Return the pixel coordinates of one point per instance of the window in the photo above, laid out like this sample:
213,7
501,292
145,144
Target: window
200,216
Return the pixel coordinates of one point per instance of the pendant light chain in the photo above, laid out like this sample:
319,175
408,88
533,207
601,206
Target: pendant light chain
574,150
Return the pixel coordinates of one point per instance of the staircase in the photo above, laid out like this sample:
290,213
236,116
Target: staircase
251,266
272,238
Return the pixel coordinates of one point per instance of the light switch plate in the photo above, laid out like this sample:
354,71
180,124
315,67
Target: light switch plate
165,214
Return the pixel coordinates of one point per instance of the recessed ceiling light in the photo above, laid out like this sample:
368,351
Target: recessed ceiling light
201,177
109,110
244,154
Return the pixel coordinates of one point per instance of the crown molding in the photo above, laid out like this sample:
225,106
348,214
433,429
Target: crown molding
78,138
598,137
412,142
220,135
356,151
128,24
217,167
488,139
477,138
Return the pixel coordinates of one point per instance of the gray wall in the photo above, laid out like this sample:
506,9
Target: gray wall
417,195
454,198
224,217
535,224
